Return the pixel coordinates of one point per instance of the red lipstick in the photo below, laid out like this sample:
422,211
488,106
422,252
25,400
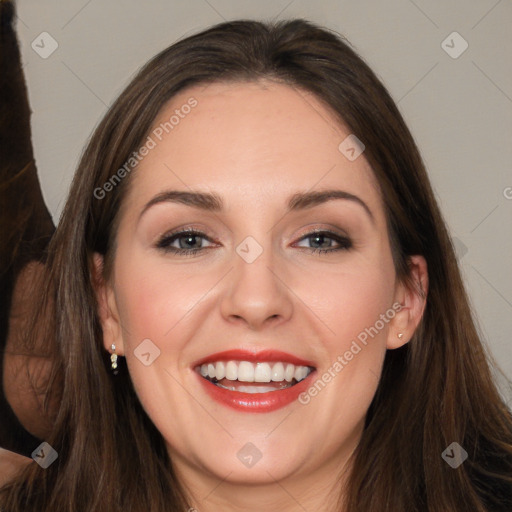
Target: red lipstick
255,402
267,401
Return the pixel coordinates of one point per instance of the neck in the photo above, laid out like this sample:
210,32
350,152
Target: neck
320,489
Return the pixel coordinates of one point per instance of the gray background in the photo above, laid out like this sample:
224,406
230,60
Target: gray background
459,109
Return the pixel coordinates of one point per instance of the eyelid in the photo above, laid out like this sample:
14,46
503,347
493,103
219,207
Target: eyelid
182,231
343,240
309,230
186,229
334,232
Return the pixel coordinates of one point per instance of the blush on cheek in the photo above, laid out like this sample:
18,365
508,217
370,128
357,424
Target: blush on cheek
351,307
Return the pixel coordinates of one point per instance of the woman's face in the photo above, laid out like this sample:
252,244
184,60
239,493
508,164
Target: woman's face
287,275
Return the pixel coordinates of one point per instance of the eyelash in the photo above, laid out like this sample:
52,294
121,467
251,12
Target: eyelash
164,243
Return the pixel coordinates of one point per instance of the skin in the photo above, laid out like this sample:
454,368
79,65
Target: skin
255,145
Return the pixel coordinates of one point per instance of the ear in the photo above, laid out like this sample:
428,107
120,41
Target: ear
107,308
410,301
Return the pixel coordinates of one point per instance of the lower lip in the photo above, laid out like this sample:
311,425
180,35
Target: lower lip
256,402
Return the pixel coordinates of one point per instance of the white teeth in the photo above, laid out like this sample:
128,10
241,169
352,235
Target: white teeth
245,371
255,389
249,389
220,370
278,372
289,372
231,370
300,373
262,373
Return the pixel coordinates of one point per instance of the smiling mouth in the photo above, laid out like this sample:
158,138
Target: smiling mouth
249,377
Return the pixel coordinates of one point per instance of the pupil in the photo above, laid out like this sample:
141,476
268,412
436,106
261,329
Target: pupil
188,241
318,239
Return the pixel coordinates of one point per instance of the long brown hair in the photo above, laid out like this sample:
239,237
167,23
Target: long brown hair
435,390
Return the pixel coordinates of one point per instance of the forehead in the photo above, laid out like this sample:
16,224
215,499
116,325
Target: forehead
250,138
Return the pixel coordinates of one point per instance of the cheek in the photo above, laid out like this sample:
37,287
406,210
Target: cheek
355,307
154,303
348,300
153,299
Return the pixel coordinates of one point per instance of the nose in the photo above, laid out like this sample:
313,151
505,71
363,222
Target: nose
256,295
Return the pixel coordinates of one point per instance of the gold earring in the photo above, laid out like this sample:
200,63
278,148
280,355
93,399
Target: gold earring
400,335
113,359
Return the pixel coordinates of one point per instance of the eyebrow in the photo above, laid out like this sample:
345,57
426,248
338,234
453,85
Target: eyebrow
212,202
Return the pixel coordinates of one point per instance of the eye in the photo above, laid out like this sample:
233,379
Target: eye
325,242
190,241
186,242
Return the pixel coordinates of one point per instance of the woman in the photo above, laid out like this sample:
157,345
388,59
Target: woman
252,245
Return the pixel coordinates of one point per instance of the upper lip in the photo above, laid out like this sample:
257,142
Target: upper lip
261,356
